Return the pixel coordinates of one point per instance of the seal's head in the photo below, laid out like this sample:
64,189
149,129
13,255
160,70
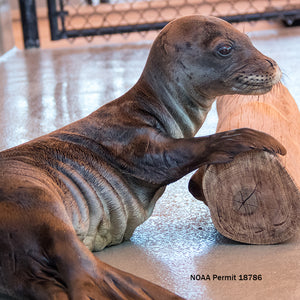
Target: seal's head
209,57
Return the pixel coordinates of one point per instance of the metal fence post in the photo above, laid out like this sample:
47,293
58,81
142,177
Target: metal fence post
52,15
29,24
56,14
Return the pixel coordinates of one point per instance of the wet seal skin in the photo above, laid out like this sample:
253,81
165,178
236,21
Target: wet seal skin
90,184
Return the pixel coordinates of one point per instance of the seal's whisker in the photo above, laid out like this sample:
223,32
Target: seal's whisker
244,29
284,77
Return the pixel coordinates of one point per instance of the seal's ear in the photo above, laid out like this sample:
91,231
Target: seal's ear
166,42
166,48
195,184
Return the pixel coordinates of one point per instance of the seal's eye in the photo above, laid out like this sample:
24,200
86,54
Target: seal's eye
224,50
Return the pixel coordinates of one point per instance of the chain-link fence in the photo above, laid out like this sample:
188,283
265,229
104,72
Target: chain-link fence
104,17
89,18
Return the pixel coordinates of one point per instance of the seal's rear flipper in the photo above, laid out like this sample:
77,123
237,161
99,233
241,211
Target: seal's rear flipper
44,259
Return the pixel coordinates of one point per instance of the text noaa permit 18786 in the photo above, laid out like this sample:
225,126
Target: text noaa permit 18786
232,277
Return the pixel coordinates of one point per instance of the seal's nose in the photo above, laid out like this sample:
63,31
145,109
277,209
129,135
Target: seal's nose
271,62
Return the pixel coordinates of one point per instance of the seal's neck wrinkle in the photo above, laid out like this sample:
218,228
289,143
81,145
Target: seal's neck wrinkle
186,110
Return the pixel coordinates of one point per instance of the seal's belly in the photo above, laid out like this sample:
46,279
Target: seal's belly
103,205
107,209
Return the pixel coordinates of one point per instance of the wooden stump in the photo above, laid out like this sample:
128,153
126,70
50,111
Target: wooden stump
256,198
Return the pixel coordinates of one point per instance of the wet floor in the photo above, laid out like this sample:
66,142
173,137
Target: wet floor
42,90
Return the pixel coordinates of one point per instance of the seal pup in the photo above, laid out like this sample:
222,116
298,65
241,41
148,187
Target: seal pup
88,185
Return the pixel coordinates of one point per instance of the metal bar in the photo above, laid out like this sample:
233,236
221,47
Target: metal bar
114,30
62,15
56,34
29,24
295,13
157,26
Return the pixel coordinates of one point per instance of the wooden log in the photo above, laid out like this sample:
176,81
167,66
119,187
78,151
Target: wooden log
255,199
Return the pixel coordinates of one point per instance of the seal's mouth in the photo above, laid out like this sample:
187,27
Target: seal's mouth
249,89
255,84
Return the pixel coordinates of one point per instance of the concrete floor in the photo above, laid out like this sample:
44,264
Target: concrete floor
42,90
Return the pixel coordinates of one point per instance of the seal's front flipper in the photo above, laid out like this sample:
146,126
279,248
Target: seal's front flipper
224,146
161,160
195,184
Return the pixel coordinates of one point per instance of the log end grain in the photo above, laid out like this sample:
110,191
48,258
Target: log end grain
252,199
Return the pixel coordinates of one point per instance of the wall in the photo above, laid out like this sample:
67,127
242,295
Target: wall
6,33
15,4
